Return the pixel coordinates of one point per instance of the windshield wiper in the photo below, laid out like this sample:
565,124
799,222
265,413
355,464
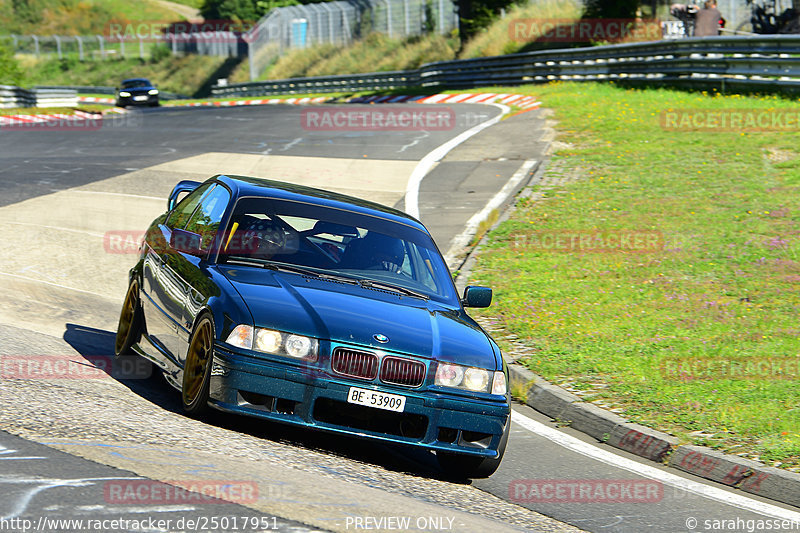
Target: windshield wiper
283,267
372,284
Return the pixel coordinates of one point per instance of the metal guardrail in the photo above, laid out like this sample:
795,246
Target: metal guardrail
761,62
11,97
111,91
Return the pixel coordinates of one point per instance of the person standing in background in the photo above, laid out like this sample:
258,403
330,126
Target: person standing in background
708,20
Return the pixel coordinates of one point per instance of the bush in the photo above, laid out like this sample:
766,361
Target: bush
10,71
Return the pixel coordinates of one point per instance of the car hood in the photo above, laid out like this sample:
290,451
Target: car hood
353,315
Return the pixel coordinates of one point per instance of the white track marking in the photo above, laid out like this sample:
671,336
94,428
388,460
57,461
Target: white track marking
471,227
34,280
659,474
426,163
117,193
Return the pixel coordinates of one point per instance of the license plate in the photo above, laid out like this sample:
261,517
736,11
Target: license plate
140,98
380,400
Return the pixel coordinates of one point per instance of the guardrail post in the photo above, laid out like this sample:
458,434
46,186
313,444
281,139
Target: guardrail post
122,46
35,45
389,18
58,46
102,49
405,12
330,22
80,47
141,47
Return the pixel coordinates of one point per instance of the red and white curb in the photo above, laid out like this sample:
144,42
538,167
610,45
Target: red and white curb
96,100
518,100
262,101
45,118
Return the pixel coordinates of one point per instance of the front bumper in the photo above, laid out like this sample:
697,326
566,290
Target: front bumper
310,397
138,99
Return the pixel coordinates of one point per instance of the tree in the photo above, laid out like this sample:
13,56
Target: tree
474,15
611,9
10,71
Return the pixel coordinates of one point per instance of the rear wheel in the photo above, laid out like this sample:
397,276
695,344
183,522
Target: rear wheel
197,369
460,466
129,330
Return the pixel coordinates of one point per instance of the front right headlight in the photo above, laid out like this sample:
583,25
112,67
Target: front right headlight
470,378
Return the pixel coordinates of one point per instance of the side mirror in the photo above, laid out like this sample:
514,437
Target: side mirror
182,187
185,241
477,296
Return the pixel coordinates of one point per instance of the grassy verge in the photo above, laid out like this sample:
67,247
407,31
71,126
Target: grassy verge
177,74
676,337
376,52
87,108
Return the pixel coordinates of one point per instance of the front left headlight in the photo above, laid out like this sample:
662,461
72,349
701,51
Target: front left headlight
124,94
470,378
274,342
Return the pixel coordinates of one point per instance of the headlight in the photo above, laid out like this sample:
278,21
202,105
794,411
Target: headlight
273,342
470,378
124,94
152,91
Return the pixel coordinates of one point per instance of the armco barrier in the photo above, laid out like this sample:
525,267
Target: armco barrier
87,89
11,97
763,62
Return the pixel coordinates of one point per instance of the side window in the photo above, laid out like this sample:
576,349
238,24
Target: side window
206,219
180,215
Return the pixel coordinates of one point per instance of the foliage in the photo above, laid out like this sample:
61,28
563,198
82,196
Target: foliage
719,290
376,52
10,71
611,9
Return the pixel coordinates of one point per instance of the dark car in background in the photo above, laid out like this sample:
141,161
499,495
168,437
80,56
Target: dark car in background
137,91
311,308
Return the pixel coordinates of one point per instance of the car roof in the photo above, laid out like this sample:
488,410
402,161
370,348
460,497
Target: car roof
137,79
249,186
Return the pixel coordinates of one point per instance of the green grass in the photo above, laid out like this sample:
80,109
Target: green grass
77,17
88,108
177,74
375,53
723,288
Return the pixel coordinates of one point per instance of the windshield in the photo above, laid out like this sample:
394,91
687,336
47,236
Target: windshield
134,84
340,242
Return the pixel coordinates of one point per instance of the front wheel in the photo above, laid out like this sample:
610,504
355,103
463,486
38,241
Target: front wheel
197,369
129,329
460,466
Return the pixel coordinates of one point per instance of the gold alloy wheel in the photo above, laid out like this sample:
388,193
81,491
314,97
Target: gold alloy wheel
197,360
126,319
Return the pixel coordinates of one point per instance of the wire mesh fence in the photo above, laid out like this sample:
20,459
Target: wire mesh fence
342,22
85,48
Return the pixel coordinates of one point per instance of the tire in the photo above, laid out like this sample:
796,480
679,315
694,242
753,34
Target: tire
131,319
460,466
197,368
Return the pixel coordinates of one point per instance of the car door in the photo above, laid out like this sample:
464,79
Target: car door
164,296
190,270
